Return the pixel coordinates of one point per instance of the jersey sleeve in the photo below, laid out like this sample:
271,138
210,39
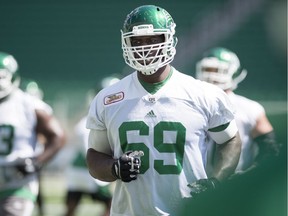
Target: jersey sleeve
221,109
94,118
255,111
41,105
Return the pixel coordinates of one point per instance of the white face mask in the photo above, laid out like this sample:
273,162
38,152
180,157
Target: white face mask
8,67
149,58
6,84
223,74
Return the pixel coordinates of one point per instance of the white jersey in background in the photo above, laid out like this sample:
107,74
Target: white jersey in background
172,142
247,113
17,140
77,174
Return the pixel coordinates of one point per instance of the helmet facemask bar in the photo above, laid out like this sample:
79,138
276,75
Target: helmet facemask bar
149,58
7,83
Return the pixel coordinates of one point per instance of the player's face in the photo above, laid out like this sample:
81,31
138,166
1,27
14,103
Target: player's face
5,79
211,70
147,47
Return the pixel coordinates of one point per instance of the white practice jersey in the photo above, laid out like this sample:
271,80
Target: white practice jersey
17,137
247,113
170,127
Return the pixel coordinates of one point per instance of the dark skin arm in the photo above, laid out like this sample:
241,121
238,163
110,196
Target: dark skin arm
226,158
49,128
100,165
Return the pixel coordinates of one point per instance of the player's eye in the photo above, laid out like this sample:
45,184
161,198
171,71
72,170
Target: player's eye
141,41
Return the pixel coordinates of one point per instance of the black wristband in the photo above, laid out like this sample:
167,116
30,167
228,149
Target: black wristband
215,182
115,170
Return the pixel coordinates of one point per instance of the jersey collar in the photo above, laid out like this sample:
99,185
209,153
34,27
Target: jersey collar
152,88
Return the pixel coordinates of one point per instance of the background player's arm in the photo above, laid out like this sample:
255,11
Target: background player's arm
264,136
263,126
49,127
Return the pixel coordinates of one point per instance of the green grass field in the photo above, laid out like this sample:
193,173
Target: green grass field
53,189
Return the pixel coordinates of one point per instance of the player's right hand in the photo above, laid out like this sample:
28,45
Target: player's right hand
203,185
27,165
127,167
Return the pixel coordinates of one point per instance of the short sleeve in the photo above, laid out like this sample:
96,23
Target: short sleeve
222,111
94,117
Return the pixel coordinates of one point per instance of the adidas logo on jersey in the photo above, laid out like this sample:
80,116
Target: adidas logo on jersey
150,114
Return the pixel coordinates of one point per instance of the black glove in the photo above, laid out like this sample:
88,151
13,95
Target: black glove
203,185
127,166
27,165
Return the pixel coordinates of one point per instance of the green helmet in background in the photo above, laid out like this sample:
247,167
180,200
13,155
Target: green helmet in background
221,67
32,88
110,80
9,78
105,82
148,20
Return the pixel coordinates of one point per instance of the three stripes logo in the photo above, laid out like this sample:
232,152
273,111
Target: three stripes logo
151,114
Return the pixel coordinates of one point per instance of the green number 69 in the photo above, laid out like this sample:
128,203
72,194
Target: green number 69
168,137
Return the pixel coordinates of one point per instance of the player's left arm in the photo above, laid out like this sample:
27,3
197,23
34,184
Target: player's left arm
264,136
227,154
227,151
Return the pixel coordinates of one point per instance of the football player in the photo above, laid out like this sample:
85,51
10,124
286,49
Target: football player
21,121
147,131
32,88
222,68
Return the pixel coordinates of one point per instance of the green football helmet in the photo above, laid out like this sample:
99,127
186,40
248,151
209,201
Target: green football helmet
110,80
9,79
221,67
148,20
32,88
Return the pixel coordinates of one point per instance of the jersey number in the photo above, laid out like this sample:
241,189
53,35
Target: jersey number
168,138
6,139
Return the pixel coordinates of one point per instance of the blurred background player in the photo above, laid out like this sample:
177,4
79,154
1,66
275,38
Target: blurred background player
31,87
221,67
79,181
21,121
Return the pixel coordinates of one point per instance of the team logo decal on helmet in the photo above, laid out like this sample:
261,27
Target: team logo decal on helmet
148,20
221,67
